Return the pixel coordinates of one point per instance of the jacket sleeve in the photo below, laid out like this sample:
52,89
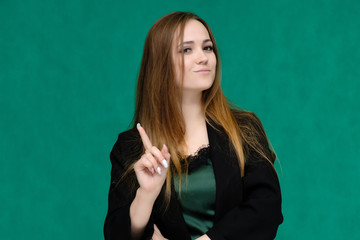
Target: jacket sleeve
121,195
258,215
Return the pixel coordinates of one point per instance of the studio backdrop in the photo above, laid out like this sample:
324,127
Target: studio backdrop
68,72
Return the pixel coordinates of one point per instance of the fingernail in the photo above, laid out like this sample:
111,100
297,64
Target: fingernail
164,163
159,170
152,170
138,125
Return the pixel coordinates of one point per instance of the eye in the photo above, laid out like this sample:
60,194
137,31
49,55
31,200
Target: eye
209,48
186,50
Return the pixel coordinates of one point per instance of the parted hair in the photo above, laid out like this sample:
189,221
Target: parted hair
158,101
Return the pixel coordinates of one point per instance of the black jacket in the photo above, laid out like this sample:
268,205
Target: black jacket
247,207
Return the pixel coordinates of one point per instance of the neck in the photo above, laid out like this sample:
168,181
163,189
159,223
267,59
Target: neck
195,124
192,110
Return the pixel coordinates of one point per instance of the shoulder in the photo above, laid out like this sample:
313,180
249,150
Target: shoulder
128,137
248,120
254,137
128,146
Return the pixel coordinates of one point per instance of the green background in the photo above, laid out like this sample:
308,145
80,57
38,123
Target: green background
67,81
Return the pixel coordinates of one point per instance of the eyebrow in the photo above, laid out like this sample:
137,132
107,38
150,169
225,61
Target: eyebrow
191,42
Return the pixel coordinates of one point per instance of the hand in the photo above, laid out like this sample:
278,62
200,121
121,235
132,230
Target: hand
203,237
151,169
157,234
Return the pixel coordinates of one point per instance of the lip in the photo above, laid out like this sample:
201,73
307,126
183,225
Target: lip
203,71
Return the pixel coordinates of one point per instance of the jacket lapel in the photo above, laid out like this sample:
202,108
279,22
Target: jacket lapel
228,186
226,170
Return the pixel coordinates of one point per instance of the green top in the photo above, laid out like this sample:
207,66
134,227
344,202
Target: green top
197,198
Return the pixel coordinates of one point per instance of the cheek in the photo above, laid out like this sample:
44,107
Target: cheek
214,62
214,59
187,64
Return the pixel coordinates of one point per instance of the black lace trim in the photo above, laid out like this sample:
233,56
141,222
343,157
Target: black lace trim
198,159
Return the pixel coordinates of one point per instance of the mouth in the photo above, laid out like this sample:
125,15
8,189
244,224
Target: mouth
203,71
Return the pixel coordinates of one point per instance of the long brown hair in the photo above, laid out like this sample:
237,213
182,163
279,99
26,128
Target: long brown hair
158,97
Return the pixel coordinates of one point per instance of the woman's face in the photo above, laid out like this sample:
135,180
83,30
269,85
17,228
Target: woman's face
199,58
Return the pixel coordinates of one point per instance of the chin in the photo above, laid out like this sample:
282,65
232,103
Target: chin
200,88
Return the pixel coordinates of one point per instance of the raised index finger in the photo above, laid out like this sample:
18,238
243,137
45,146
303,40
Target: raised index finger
144,137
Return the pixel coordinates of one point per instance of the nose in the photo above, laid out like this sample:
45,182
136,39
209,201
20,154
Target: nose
201,57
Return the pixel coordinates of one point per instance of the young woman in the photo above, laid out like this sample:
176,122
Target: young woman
191,167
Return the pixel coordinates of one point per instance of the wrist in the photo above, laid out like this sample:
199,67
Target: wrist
146,197
140,211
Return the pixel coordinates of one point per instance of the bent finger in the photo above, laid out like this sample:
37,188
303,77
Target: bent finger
157,231
154,162
161,158
166,154
146,163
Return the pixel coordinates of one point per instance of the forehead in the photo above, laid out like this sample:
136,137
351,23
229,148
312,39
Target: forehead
195,30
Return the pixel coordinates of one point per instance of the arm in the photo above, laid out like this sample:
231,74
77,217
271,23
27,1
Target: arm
132,219
140,211
258,214
117,223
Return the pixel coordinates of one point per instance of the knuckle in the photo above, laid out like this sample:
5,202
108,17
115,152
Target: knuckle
157,152
142,159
